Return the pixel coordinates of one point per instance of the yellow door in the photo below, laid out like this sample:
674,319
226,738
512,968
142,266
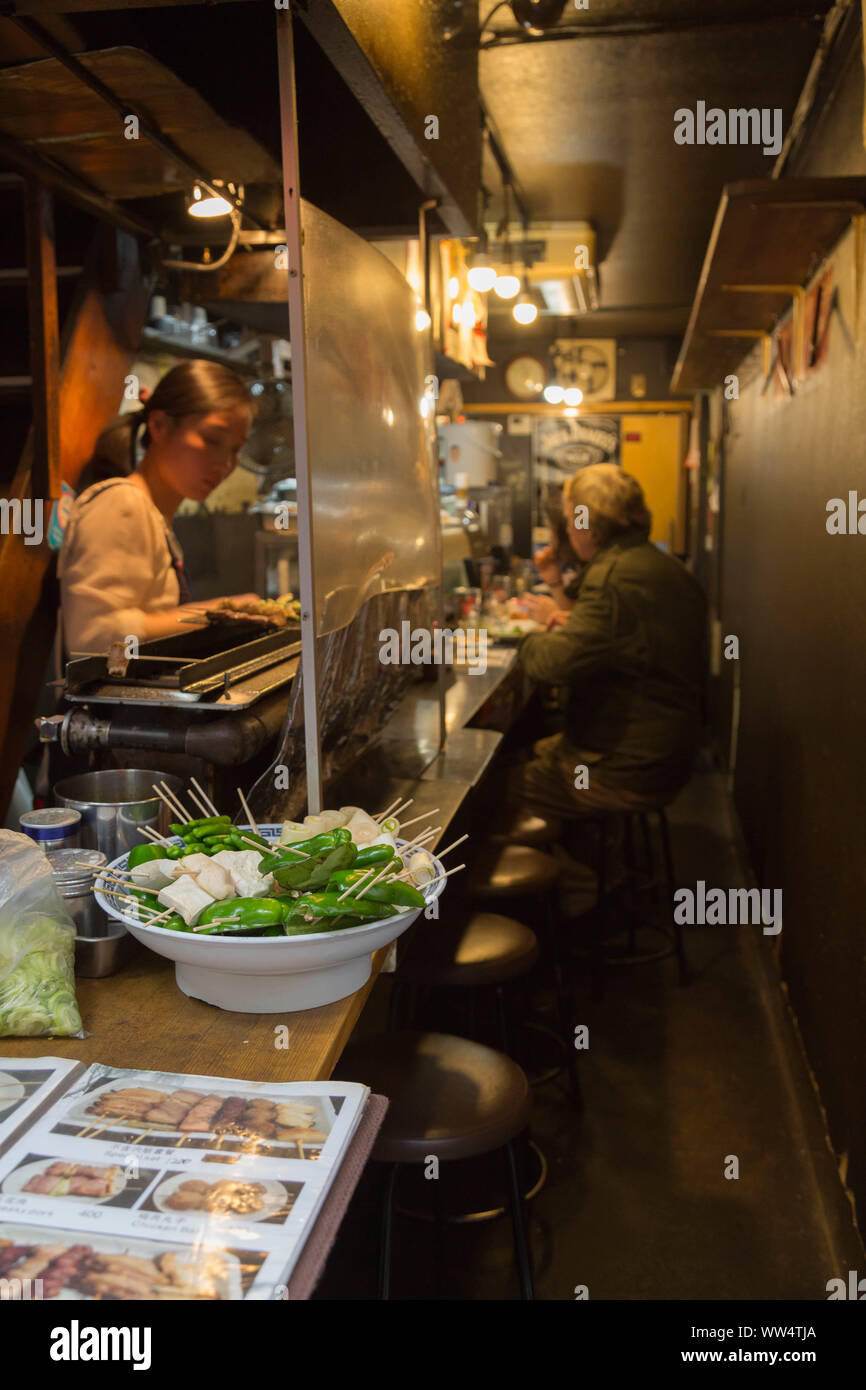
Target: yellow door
653,449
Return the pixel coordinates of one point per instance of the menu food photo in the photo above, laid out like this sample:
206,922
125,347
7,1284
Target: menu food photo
151,1186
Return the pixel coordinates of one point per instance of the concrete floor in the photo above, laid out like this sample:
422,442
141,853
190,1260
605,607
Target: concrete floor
676,1080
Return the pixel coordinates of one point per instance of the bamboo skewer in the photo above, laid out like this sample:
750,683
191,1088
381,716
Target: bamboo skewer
200,789
440,853
440,877
199,805
382,814
417,818
247,812
152,835
404,806
171,802
354,888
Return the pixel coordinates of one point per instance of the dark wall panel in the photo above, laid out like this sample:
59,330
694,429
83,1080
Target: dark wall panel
795,597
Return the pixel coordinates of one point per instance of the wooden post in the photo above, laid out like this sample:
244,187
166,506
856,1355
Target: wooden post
44,342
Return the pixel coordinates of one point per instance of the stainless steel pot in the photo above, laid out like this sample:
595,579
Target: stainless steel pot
115,804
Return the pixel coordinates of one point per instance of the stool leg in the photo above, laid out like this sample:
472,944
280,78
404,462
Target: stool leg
502,1019
521,1244
394,1005
669,878
565,1022
631,877
386,1232
597,965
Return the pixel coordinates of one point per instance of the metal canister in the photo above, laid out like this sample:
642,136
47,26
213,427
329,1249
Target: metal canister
73,877
55,828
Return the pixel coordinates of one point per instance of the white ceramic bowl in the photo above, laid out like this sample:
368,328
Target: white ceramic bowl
266,974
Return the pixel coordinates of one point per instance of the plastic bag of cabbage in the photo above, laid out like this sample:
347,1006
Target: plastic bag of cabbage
37,947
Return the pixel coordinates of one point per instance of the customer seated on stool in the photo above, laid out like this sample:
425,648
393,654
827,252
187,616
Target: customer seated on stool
629,653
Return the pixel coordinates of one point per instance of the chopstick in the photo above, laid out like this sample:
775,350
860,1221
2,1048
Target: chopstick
417,818
247,812
200,789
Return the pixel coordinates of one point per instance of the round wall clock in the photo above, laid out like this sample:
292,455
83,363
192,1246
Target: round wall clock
525,377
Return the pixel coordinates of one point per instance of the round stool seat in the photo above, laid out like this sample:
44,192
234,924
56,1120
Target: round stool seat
522,827
448,1096
484,949
510,871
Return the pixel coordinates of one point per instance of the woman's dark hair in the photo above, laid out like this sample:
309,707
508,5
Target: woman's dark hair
555,518
191,388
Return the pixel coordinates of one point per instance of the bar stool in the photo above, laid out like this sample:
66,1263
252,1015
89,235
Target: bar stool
638,880
524,827
450,1099
480,951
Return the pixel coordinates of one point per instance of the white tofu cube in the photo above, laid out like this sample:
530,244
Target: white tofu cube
362,828
154,873
186,898
242,867
216,880
190,864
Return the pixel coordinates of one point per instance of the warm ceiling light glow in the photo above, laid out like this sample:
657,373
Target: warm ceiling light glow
569,410
482,276
469,315
524,310
573,395
207,207
506,286
456,313
553,395
453,287
422,320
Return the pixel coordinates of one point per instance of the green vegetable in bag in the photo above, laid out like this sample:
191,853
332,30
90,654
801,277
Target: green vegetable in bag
37,946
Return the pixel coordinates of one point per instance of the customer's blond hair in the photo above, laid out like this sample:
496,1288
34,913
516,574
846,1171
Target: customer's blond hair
614,502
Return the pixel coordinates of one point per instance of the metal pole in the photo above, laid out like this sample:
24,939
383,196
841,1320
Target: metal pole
297,337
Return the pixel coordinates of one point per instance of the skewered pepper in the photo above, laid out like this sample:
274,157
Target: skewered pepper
318,845
374,854
195,827
241,915
141,854
325,906
315,872
246,839
399,894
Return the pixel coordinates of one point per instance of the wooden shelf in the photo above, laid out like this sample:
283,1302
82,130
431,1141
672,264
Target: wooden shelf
768,240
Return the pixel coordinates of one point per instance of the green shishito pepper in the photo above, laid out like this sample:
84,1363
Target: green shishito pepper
314,871
248,839
142,854
196,828
374,854
283,857
322,909
398,894
241,915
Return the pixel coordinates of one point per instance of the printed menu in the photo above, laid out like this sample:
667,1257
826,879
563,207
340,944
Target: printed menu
147,1185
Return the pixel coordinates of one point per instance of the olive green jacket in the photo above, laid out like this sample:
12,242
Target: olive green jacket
633,658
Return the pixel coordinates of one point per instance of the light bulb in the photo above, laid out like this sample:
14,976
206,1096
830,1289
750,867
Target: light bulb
506,286
422,320
453,287
573,395
456,313
482,276
469,315
213,206
553,395
524,310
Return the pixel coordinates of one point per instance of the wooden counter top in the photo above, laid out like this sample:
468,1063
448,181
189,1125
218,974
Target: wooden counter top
139,1018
